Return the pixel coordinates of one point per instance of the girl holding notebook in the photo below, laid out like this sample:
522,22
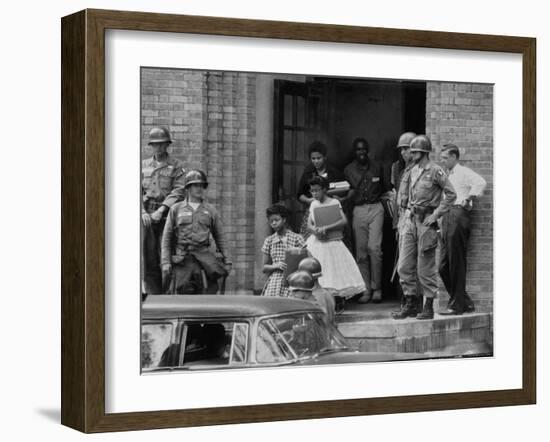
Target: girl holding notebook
326,223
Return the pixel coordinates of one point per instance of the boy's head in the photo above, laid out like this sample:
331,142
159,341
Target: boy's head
277,215
311,265
318,187
360,149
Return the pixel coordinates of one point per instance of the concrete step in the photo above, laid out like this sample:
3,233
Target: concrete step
371,328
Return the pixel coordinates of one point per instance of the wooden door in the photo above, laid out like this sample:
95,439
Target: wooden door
297,124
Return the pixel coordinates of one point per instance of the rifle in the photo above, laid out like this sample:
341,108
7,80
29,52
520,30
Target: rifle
396,261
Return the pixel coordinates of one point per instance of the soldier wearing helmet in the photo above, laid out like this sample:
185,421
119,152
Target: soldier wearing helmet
425,194
401,167
399,170
188,264
162,186
300,285
324,298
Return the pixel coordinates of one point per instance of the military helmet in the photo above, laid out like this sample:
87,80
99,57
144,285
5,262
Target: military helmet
421,143
312,266
159,135
300,280
405,139
195,176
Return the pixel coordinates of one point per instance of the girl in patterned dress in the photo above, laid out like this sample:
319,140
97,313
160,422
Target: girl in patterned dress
274,250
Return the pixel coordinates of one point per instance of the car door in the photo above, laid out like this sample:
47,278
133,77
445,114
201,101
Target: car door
214,344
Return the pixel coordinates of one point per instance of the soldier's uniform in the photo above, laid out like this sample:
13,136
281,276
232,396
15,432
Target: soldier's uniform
162,185
424,191
399,172
399,196
186,247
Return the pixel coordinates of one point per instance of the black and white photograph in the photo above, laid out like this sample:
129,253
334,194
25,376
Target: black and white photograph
296,220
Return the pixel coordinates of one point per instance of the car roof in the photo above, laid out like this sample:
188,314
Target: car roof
220,306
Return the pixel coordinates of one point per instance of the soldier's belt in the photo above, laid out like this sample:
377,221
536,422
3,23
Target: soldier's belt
420,212
177,259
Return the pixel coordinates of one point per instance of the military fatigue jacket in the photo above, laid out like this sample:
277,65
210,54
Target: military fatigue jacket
189,230
399,176
161,183
427,187
402,178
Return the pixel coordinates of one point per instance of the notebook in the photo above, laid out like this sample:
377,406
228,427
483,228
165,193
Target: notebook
293,256
326,215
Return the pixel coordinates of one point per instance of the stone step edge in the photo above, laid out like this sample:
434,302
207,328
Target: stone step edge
391,330
373,317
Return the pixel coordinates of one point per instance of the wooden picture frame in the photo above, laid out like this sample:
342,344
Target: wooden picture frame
83,216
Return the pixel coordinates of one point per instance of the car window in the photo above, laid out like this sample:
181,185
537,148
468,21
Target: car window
215,343
239,344
299,335
271,345
156,348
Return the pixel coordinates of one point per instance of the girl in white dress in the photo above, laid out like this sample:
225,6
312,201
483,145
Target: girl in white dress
340,271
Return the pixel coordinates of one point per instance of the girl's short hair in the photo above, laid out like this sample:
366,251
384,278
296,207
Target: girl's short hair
317,146
278,209
319,181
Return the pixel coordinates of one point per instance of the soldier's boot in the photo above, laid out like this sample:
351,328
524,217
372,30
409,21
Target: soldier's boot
402,303
428,310
407,311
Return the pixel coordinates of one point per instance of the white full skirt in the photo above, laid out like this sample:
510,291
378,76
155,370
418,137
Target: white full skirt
338,267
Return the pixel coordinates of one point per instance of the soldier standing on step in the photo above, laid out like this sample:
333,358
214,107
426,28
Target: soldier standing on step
399,170
426,195
162,187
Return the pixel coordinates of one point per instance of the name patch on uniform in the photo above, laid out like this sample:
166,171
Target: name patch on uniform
375,179
185,218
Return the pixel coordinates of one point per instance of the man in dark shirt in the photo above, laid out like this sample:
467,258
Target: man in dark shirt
369,186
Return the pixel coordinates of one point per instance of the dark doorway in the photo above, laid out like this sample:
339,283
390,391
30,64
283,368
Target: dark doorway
335,111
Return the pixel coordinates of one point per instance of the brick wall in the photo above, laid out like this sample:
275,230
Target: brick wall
463,114
211,116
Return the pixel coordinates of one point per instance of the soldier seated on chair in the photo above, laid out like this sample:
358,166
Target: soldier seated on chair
188,264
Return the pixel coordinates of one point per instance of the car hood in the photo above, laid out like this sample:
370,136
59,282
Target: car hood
343,357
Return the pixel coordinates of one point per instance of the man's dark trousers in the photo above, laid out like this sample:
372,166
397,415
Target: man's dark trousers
455,232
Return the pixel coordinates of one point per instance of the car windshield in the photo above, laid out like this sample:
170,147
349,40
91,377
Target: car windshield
302,335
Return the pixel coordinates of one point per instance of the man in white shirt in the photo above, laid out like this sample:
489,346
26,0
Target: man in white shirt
455,230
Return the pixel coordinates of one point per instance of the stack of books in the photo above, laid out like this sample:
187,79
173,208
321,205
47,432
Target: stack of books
338,188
